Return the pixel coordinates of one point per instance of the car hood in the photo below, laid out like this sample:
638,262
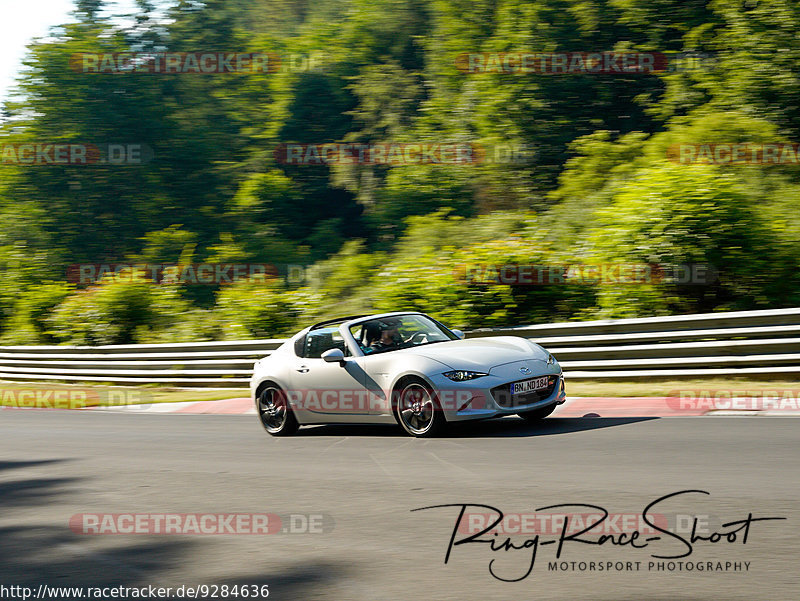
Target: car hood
481,354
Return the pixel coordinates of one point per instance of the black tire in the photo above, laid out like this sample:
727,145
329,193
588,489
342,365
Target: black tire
274,411
417,410
537,414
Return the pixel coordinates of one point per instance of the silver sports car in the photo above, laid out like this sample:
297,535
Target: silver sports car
402,367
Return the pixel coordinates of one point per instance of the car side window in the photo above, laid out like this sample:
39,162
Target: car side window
324,339
357,332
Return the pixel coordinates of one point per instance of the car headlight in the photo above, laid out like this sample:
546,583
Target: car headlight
550,359
461,375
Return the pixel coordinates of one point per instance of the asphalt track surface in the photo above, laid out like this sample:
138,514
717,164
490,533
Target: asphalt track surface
366,481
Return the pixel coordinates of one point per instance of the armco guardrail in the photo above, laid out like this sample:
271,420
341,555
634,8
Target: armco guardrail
744,343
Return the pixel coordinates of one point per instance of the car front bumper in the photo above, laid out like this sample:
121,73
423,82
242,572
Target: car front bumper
477,399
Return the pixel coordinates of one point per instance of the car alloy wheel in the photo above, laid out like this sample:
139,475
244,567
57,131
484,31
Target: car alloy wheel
275,413
417,411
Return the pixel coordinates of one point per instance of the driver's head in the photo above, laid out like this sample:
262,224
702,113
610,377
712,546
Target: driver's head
390,333
372,332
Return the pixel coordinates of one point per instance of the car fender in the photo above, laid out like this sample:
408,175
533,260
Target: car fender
417,366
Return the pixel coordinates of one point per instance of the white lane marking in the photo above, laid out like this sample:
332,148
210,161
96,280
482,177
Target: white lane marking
380,465
340,441
451,465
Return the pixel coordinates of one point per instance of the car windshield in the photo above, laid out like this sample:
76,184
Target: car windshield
397,332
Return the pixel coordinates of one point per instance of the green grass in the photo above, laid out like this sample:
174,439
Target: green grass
661,388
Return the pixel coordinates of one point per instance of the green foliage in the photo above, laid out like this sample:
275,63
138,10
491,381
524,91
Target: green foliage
125,309
595,183
420,190
28,323
673,215
170,245
446,267
261,309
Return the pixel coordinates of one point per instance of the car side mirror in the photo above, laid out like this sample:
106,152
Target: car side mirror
459,333
333,355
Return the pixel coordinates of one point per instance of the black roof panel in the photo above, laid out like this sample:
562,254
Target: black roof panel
336,320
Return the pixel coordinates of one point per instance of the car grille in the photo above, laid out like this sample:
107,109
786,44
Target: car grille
503,397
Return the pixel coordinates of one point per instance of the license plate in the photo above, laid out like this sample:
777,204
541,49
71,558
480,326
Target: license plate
529,385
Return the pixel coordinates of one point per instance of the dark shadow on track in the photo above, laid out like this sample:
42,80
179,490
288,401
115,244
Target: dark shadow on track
508,427
34,552
518,427
10,465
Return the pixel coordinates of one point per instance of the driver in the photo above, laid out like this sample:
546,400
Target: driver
384,335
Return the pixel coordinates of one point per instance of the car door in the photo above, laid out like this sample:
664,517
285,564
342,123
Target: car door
376,378
377,381
328,392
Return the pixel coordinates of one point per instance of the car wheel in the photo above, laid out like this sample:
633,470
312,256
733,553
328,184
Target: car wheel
274,412
417,411
537,414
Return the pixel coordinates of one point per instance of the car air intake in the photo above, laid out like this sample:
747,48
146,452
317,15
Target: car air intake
503,397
